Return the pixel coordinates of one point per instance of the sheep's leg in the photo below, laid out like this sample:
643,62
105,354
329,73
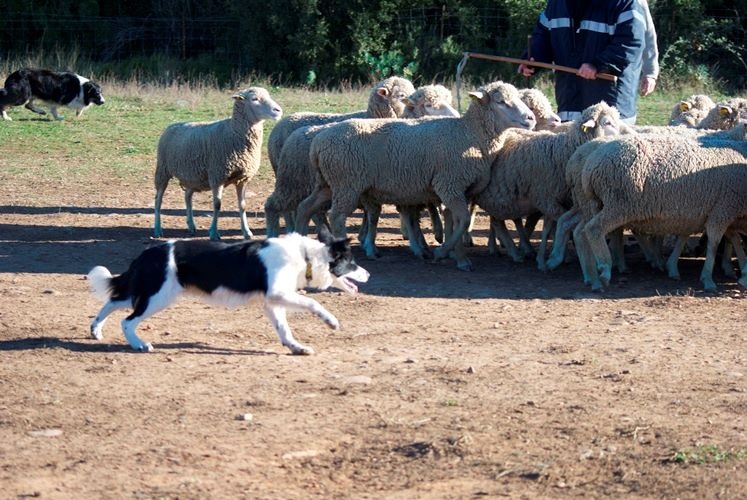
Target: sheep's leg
596,231
736,241
460,216
240,195
672,269
418,246
651,248
311,205
217,198
563,227
586,258
342,207
726,265
157,229
617,249
190,215
706,275
320,220
531,222
371,214
492,245
547,226
289,216
272,216
402,222
468,241
438,227
525,245
500,230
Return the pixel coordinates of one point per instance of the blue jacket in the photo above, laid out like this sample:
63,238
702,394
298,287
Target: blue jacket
610,35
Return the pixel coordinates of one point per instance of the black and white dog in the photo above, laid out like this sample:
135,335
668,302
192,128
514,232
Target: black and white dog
27,86
229,274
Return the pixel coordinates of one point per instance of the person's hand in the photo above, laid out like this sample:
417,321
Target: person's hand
587,71
526,70
648,84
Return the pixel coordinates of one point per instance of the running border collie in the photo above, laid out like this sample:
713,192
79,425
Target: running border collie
28,86
229,274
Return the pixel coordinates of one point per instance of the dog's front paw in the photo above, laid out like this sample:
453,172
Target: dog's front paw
144,347
301,350
96,332
332,322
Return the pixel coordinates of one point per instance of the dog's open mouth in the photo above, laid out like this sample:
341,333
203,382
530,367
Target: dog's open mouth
349,285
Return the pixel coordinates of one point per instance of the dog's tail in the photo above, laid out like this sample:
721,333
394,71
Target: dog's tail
100,281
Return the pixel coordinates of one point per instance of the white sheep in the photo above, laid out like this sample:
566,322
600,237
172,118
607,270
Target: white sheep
664,185
413,162
691,111
212,155
294,179
725,115
529,173
547,119
387,99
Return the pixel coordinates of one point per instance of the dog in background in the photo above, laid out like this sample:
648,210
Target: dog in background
29,86
229,274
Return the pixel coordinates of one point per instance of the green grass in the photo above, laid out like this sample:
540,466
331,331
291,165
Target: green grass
708,454
118,140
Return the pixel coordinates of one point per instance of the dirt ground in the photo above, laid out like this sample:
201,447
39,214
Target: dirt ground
440,384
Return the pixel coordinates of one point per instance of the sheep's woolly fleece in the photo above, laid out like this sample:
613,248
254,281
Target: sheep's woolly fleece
294,179
384,101
664,185
691,111
528,174
377,157
211,155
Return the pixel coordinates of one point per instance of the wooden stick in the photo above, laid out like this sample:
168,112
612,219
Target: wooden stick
556,67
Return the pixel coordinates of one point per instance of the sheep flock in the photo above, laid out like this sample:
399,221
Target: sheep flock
507,155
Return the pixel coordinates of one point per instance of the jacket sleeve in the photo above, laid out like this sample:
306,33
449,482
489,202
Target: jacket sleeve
541,46
627,40
650,66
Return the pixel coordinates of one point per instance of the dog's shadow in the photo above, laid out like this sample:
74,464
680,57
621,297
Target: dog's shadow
80,346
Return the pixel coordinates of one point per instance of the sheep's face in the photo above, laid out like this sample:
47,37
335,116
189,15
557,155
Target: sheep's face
546,118
389,97
599,120
257,103
431,100
731,113
502,103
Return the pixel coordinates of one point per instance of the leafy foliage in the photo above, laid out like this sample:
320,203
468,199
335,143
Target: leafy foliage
324,42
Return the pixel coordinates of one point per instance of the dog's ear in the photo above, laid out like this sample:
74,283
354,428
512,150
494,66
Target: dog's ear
324,235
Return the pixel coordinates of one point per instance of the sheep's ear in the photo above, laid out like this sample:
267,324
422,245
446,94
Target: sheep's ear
383,91
724,110
588,125
480,96
238,97
684,106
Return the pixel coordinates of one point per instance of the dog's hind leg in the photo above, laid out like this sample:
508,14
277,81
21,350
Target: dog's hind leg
148,306
97,324
30,106
279,321
53,110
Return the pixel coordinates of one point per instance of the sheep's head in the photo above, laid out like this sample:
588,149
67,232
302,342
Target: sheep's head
387,98
430,100
689,112
256,104
599,120
540,105
730,113
499,102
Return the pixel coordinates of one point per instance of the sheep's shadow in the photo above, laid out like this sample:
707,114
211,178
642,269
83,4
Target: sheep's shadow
72,345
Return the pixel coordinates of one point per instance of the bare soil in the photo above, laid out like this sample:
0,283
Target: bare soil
440,384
